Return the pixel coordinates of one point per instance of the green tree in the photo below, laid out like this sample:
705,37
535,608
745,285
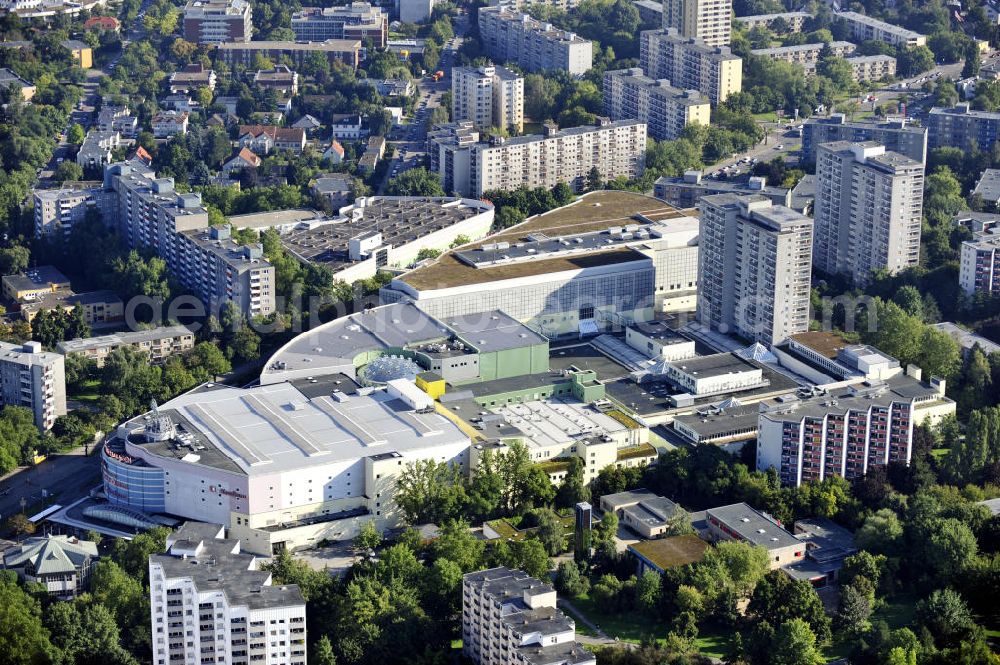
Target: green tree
322,652
507,217
456,543
430,491
648,590
854,611
573,489
778,598
68,171
881,533
369,537
946,615
795,644
415,182
23,639
550,531
571,580
75,134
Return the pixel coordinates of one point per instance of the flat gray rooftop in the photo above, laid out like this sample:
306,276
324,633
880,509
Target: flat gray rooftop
753,527
400,220
493,331
216,568
718,422
717,364
276,428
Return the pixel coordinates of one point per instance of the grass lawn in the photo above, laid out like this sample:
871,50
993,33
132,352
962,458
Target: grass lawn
940,452
899,612
89,393
626,626
713,641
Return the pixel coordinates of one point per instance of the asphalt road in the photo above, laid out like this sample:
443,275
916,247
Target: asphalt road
411,148
66,477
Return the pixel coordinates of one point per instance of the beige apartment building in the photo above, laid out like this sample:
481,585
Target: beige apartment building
805,54
509,35
868,210
866,68
489,96
753,268
690,63
794,21
33,379
159,343
666,110
708,20
866,28
615,149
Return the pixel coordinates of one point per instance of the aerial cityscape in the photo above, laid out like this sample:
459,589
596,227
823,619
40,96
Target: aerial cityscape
499,332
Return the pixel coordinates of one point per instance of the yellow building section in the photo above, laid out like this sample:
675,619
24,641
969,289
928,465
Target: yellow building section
432,385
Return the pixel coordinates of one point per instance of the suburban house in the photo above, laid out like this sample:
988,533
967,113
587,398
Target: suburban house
334,152
244,159
169,123
347,127
262,139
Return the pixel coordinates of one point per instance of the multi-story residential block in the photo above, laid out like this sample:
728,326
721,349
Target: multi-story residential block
690,64
96,149
846,431
979,270
805,54
962,127
264,139
217,21
708,20
61,564
866,68
868,210
896,135
522,4
150,214
160,343
666,110
210,601
58,210
489,96
169,123
650,12
191,78
508,35
358,20
743,523
615,149
34,379
793,21
347,51
511,618
753,268
414,11
868,29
